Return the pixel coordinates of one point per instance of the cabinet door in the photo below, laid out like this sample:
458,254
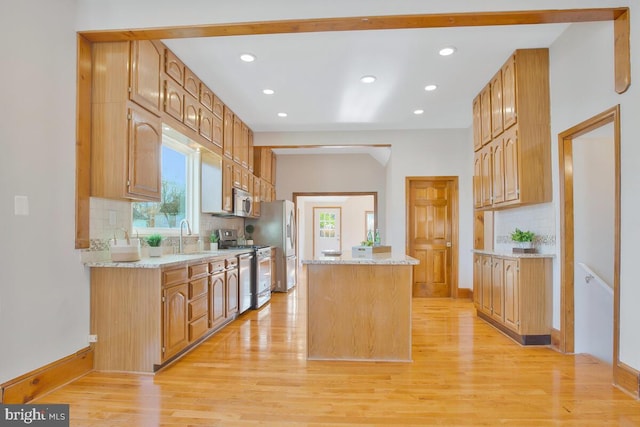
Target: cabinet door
477,124
257,185
173,100
145,139
511,295
174,322
237,139
227,185
206,124
245,179
227,140
496,105
191,109
250,152
217,129
497,289
244,146
146,63
477,281
486,283
497,179
509,93
486,174
477,179
191,83
173,67
218,107
237,176
206,97
511,164
217,295
232,292
485,113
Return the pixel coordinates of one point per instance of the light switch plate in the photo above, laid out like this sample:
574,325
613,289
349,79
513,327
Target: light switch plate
21,205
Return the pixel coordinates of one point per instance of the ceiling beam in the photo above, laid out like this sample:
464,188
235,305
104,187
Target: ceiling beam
360,23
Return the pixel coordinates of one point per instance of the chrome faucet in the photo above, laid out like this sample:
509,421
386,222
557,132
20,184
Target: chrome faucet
182,223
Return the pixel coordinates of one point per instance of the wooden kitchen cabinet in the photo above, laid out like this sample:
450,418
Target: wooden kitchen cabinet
485,114
174,100
514,295
174,320
227,140
257,185
237,140
237,176
477,179
477,124
125,136
227,185
146,63
233,287
217,295
191,83
520,120
173,67
250,158
191,112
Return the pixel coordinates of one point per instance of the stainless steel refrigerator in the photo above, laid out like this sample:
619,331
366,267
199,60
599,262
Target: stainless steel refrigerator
276,227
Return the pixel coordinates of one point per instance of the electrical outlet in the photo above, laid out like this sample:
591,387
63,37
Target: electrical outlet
93,338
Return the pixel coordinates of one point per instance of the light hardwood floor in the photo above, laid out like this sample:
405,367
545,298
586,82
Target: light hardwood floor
254,372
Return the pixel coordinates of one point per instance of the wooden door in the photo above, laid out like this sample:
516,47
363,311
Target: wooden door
496,104
511,165
174,324
327,227
145,139
430,237
497,173
217,295
146,63
497,289
509,93
487,271
511,295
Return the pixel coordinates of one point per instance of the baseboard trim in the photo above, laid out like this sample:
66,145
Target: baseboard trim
520,339
465,293
555,339
41,381
627,379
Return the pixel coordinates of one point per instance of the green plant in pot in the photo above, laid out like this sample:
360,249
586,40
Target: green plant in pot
213,241
249,229
154,241
524,239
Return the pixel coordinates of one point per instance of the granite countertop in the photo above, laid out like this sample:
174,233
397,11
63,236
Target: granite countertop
384,258
510,254
170,260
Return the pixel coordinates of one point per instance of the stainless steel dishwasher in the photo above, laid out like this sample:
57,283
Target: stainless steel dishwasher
245,266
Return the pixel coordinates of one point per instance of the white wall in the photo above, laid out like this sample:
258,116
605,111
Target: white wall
44,291
581,87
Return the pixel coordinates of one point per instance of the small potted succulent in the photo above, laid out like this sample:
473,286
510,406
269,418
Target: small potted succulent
249,231
154,241
523,240
213,241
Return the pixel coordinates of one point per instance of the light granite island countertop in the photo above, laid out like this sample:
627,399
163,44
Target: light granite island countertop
359,308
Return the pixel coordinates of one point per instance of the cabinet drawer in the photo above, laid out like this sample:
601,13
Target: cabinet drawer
231,262
174,276
197,308
198,328
198,270
217,266
197,288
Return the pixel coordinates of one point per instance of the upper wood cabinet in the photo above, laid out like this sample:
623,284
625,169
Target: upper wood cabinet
206,97
237,139
244,146
191,83
173,67
485,114
250,158
174,100
227,139
191,112
477,124
125,137
146,64
520,122
218,107
227,185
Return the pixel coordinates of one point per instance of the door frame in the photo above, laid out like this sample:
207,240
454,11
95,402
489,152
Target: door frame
622,374
453,180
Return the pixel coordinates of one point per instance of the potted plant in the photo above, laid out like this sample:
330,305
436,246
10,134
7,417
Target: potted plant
154,241
524,240
213,241
249,231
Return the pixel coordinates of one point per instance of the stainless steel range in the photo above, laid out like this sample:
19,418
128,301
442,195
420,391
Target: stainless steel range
255,281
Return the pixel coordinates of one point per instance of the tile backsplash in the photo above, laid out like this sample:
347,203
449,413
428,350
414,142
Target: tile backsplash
540,219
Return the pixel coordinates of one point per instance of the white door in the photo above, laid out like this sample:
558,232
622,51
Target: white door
326,230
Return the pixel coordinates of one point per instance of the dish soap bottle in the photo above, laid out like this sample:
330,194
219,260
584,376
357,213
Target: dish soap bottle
376,240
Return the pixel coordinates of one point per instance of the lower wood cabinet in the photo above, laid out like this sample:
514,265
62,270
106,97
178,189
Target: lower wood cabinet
514,295
145,318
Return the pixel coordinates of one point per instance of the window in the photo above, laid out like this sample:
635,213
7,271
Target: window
327,224
180,165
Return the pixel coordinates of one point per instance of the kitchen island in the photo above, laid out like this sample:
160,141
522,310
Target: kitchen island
359,308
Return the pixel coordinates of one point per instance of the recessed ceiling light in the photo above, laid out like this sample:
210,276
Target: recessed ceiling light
430,88
248,57
418,112
447,51
368,79
282,114
268,91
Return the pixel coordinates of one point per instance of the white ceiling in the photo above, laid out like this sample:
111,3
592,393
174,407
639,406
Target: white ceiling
315,76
